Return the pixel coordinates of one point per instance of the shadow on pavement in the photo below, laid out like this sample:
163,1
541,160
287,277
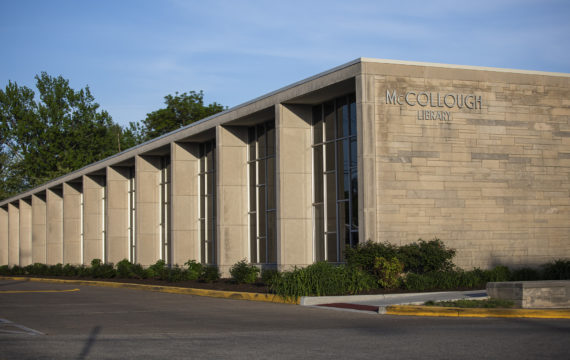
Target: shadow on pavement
90,341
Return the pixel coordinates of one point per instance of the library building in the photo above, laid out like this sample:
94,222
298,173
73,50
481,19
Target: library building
372,150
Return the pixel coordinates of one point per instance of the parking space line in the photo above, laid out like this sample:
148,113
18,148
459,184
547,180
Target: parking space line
7,327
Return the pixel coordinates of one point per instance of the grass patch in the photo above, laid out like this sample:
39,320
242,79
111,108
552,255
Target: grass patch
488,303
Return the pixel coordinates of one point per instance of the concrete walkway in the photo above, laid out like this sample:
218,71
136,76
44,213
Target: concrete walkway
377,303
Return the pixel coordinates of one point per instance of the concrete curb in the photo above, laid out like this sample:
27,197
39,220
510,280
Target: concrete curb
408,310
235,295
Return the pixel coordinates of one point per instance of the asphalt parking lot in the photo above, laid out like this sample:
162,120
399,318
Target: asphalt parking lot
47,321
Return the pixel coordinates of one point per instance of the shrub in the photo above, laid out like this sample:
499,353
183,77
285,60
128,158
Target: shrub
5,270
320,279
244,273
38,269
364,255
157,271
388,272
175,274
268,274
124,269
499,273
525,274
557,270
101,270
420,257
194,270
443,280
17,270
424,257
70,270
210,273
57,269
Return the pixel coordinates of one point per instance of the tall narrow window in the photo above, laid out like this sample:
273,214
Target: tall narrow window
104,223
335,195
262,208
164,209
207,177
81,224
131,205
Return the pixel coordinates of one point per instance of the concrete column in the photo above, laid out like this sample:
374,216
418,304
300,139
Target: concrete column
117,246
366,137
294,185
39,229
147,196
13,235
185,226
3,236
72,219
25,232
93,212
54,220
231,194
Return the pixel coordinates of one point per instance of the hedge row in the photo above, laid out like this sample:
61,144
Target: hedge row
123,270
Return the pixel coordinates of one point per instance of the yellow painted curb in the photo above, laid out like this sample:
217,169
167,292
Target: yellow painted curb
477,312
35,291
236,295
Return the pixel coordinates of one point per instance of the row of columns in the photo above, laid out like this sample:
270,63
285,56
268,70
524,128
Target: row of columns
88,218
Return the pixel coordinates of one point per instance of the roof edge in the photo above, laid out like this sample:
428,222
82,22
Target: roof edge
462,67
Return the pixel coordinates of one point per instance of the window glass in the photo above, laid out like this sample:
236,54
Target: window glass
318,170
336,185
270,183
317,125
329,119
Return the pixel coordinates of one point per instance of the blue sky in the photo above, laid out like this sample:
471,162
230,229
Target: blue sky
133,53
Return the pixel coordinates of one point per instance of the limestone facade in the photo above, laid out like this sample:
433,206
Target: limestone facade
477,157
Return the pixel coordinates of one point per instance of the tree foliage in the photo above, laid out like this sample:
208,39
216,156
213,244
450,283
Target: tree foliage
181,109
62,131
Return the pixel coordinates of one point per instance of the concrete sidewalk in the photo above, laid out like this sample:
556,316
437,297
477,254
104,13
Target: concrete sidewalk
395,299
411,304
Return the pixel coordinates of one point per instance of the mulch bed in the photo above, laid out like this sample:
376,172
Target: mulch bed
226,285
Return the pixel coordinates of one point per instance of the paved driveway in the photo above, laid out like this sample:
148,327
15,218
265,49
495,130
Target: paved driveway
100,323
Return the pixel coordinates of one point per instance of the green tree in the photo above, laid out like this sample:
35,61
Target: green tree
181,109
62,131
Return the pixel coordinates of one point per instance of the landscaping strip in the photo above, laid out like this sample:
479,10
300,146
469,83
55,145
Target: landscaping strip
165,289
475,312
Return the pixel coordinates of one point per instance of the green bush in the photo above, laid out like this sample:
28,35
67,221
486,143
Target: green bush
210,273
420,257
556,270
194,270
5,270
70,270
444,280
158,271
320,279
525,274
38,269
426,256
268,274
364,255
499,273
124,269
17,270
57,269
388,272
101,270
175,274
244,273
